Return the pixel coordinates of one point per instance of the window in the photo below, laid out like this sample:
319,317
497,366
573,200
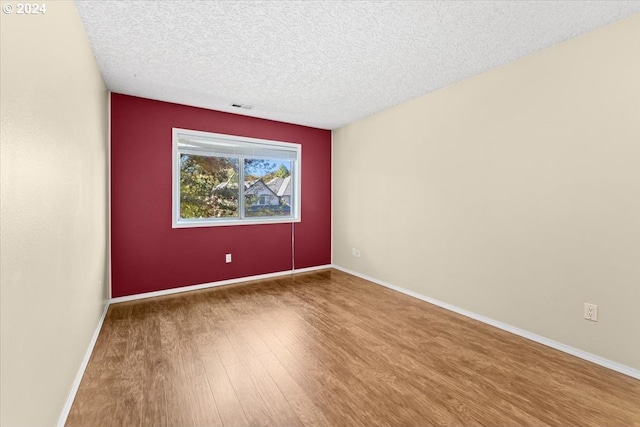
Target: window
231,180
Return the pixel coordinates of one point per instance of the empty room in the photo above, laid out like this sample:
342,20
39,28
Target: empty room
320,213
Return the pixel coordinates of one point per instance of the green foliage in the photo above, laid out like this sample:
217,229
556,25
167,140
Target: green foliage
281,172
268,210
208,187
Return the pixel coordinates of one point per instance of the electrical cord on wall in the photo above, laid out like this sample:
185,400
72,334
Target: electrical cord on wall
293,246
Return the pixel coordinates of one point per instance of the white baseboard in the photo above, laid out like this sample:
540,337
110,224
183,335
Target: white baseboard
310,269
83,366
214,284
623,369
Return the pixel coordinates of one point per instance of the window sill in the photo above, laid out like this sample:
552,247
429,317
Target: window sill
232,222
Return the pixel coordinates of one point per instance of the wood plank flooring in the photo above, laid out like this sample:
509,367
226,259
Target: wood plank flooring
330,349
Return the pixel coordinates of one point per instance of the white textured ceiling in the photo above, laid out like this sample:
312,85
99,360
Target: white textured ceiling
320,63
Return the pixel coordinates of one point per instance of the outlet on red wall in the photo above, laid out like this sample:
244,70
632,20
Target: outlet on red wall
148,255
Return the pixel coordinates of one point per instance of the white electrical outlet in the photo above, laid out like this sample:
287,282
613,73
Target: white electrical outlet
227,258
355,252
591,312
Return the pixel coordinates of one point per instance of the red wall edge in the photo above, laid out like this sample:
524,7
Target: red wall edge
148,255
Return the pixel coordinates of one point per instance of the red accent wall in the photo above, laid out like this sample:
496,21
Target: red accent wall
148,255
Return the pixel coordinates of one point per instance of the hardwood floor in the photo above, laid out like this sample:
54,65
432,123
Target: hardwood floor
330,349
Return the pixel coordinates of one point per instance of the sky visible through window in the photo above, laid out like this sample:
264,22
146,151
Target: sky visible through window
269,167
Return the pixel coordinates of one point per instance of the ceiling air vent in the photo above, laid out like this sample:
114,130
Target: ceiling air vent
245,106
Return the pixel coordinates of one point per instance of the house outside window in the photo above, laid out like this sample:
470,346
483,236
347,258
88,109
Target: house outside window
230,180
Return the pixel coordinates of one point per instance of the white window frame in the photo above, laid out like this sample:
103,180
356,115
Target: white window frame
222,140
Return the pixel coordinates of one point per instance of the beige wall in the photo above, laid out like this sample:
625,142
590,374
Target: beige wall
514,194
53,209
